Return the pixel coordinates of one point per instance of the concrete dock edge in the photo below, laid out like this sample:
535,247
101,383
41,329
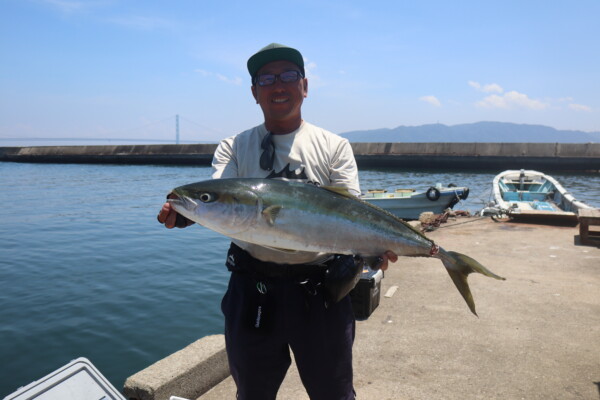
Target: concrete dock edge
535,337
188,373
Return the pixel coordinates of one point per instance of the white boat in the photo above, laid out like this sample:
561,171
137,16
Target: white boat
409,204
532,195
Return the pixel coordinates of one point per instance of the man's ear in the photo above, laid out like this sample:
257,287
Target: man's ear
253,87
305,85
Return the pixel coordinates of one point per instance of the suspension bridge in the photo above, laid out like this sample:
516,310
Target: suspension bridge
174,129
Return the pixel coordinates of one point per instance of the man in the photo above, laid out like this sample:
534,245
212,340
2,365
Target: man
276,300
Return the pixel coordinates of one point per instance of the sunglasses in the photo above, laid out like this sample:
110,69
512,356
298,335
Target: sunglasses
267,158
284,77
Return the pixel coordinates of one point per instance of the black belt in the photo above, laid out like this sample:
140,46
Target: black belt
244,262
289,271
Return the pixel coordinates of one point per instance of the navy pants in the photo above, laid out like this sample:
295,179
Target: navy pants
290,317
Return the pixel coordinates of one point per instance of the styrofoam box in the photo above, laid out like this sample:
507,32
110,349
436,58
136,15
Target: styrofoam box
78,380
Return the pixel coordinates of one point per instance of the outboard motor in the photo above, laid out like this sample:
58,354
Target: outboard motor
522,180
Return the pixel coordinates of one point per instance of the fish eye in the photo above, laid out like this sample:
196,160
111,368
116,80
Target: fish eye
207,197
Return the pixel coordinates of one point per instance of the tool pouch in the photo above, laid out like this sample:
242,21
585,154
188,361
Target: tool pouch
259,308
257,303
343,273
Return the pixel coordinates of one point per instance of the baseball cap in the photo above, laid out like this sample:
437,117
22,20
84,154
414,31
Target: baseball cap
274,52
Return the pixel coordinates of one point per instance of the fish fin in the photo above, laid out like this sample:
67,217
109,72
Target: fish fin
339,190
270,213
459,266
460,281
474,265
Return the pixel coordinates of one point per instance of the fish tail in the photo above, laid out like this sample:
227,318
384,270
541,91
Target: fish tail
459,266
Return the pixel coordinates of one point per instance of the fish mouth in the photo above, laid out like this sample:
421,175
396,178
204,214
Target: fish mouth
181,201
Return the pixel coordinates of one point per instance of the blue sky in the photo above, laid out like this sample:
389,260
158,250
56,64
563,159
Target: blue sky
124,69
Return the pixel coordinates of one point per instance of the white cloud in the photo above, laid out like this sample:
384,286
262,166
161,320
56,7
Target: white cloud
580,107
512,99
475,85
488,88
309,69
492,88
431,100
202,72
314,80
234,81
309,66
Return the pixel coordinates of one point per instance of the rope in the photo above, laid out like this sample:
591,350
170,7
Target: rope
443,218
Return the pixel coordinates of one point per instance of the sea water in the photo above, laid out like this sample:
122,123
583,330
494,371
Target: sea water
87,271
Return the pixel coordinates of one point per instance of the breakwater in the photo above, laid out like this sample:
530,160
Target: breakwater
546,156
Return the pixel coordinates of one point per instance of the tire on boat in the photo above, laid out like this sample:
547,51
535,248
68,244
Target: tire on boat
433,193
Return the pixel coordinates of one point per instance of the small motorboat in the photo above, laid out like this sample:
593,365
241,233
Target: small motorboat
409,204
532,195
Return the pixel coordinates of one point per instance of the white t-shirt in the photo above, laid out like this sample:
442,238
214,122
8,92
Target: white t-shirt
309,154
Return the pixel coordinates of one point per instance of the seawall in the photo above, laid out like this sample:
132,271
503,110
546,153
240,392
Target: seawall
545,156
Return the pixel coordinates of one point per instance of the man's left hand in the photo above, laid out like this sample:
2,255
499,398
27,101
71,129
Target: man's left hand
386,258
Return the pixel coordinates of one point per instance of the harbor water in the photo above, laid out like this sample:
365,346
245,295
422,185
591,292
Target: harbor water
86,270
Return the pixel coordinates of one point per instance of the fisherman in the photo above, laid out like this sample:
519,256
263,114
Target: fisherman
278,300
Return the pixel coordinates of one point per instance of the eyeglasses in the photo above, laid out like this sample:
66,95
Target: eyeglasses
267,158
284,77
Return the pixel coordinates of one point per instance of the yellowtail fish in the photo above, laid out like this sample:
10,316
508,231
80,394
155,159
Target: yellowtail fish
293,216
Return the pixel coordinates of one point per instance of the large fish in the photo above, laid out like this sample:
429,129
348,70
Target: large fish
294,216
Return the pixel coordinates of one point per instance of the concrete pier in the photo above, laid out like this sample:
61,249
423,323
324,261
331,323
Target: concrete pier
536,336
493,156
185,154
544,156
188,373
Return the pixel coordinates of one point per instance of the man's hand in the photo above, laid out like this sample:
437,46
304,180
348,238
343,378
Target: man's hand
386,258
170,217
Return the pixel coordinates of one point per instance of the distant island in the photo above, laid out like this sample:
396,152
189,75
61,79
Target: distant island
479,132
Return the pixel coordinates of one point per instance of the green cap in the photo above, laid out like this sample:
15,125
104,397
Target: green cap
274,52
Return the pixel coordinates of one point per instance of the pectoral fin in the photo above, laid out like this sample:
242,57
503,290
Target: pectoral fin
270,214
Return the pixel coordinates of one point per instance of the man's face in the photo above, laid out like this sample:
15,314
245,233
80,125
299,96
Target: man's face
281,102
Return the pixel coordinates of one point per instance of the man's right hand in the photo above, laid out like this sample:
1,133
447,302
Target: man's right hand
170,218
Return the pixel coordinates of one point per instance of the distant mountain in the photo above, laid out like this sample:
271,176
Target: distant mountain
482,132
